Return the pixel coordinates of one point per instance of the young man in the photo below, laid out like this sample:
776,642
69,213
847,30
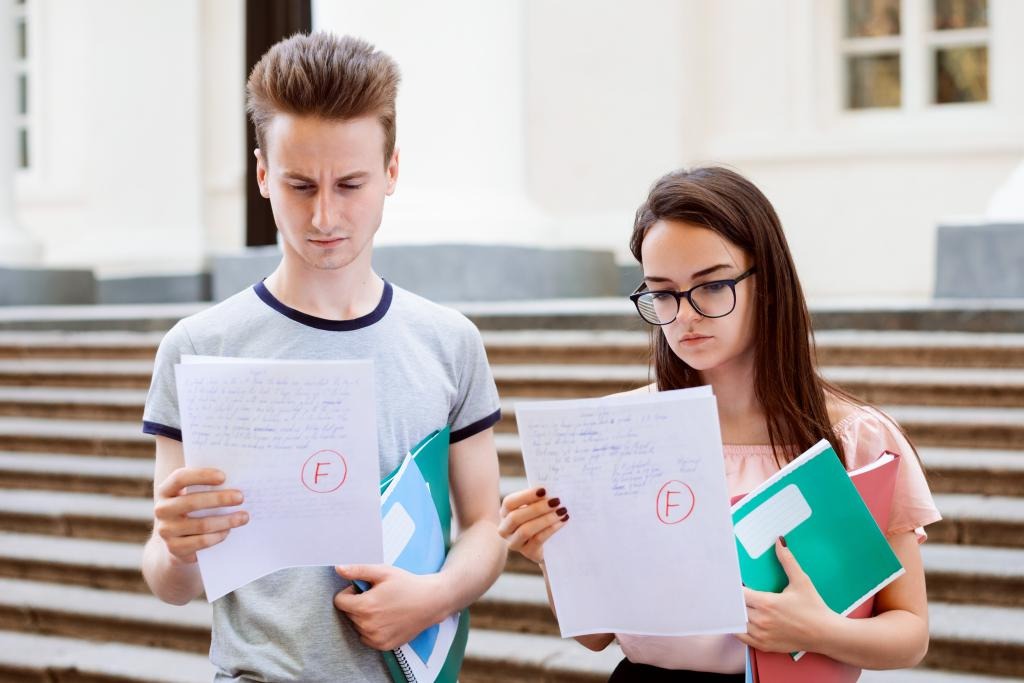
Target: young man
324,112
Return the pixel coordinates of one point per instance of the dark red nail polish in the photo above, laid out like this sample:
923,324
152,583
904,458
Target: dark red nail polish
541,493
554,502
782,541
560,511
566,518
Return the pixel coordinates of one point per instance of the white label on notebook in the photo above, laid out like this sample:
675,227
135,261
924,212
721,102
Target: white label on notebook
775,517
398,531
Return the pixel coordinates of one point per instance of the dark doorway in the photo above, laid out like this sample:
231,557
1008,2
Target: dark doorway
266,22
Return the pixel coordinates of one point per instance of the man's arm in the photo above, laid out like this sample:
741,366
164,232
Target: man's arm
478,555
399,604
169,558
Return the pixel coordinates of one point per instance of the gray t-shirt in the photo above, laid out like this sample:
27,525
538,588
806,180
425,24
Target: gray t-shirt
430,370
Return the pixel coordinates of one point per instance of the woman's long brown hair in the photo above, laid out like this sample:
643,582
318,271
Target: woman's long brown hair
786,380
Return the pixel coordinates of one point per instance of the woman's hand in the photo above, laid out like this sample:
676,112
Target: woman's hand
528,519
792,620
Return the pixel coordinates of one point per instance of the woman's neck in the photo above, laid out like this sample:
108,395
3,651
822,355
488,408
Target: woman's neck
740,413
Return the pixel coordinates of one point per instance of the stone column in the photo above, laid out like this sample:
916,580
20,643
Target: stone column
1007,204
16,247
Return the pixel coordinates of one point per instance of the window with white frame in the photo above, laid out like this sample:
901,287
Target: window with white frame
913,54
22,63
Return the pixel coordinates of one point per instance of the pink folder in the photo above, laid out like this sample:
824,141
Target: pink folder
875,483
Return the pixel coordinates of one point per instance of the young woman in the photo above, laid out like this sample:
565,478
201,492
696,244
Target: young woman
720,283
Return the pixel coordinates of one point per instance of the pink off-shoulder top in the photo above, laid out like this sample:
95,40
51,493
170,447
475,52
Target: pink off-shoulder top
865,434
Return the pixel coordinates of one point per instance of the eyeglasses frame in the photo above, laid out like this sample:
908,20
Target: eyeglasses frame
688,295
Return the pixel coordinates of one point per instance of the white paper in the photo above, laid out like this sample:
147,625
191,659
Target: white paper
299,439
649,545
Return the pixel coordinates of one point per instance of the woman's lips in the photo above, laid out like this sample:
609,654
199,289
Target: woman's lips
693,341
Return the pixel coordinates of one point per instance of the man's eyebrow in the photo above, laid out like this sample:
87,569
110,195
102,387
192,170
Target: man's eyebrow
295,175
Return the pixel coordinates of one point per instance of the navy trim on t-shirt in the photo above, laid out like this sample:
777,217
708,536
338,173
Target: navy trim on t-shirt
323,323
157,429
476,427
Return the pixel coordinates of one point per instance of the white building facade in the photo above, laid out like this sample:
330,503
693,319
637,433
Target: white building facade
866,122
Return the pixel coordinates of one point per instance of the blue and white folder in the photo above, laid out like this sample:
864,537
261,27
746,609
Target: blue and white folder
416,524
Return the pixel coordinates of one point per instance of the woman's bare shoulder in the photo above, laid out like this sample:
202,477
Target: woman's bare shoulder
840,408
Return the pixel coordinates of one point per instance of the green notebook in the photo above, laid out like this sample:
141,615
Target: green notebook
815,507
431,457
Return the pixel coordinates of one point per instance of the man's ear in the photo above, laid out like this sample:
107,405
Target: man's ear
392,172
261,173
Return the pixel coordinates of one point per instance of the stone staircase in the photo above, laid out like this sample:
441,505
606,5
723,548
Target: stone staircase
75,483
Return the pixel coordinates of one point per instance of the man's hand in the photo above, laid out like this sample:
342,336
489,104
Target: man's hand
792,620
184,535
398,606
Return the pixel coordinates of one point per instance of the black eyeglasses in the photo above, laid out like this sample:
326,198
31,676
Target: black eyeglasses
715,299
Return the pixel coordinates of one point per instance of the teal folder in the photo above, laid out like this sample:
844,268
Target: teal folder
429,460
815,507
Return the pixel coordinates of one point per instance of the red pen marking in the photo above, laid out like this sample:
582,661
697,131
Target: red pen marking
670,512
327,475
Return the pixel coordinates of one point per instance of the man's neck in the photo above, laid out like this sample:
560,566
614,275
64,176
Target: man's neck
338,294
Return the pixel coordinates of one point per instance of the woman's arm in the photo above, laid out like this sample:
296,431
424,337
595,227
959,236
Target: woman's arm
798,619
897,637
528,519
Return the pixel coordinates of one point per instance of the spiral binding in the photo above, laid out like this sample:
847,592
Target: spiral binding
403,664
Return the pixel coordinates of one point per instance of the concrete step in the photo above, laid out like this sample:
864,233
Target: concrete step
962,574
945,427
75,437
111,616
490,657
101,374
964,637
33,658
62,403
987,387
924,675
111,565
974,575
996,521
977,471
950,470
984,640
83,474
968,519
77,515
79,345
981,639
956,573
614,313
835,347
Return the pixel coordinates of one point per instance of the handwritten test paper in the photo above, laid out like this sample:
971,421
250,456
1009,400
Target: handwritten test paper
299,440
649,545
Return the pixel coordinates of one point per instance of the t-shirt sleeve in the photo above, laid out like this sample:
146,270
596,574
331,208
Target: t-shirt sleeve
161,416
476,405
912,506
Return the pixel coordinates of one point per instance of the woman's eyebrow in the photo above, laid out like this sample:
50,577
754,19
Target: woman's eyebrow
708,271
699,273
